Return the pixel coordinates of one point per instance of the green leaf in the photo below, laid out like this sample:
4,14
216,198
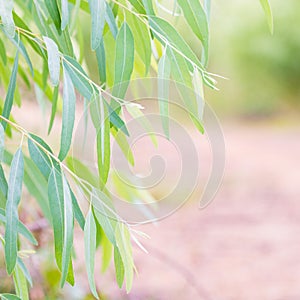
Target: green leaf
9,99
169,36
36,184
6,8
116,120
123,61
54,105
24,270
11,210
53,60
164,70
78,77
268,12
90,250
3,183
81,170
101,121
97,9
119,267
56,203
124,247
100,55
138,115
104,213
9,297
197,19
20,283
142,39
64,14
106,252
77,211
148,4
38,156
123,144
68,118
68,231
1,142
138,5
21,228
53,10
110,19
3,52
199,92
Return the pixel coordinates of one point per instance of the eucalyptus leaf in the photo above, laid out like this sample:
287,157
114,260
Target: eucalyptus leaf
53,60
11,210
97,9
68,119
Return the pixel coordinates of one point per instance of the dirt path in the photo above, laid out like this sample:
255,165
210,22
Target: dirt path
246,244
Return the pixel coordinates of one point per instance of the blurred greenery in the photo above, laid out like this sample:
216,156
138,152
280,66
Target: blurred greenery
263,69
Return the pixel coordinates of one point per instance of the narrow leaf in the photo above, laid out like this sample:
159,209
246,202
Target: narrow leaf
56,203
1,142
101,121
9,297
53,60
10,92
54,105
100,54
68,118
124,247
119,267
123,61
90,250
11,210
53,10
197,19
78,77
21,228
68,231
6,8
164,70
64,14
268,12
168,35
97,9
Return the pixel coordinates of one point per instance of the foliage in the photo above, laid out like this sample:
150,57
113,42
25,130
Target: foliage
129,40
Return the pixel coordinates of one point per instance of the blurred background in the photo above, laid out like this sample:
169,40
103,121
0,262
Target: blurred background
246,243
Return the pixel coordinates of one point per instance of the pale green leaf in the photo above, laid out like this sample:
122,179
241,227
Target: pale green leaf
56,203
9,297
68,218
104,213
3,52
101,61
101,121
119,267
53,60
11,210
2,145
6,8
90,250
148,4
78,77
64,14
97,9
21,228
20,282
54,106
124,247
197,19
53,10
9,99
123,144
164,70
123,61
169,36
268,12
68,118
